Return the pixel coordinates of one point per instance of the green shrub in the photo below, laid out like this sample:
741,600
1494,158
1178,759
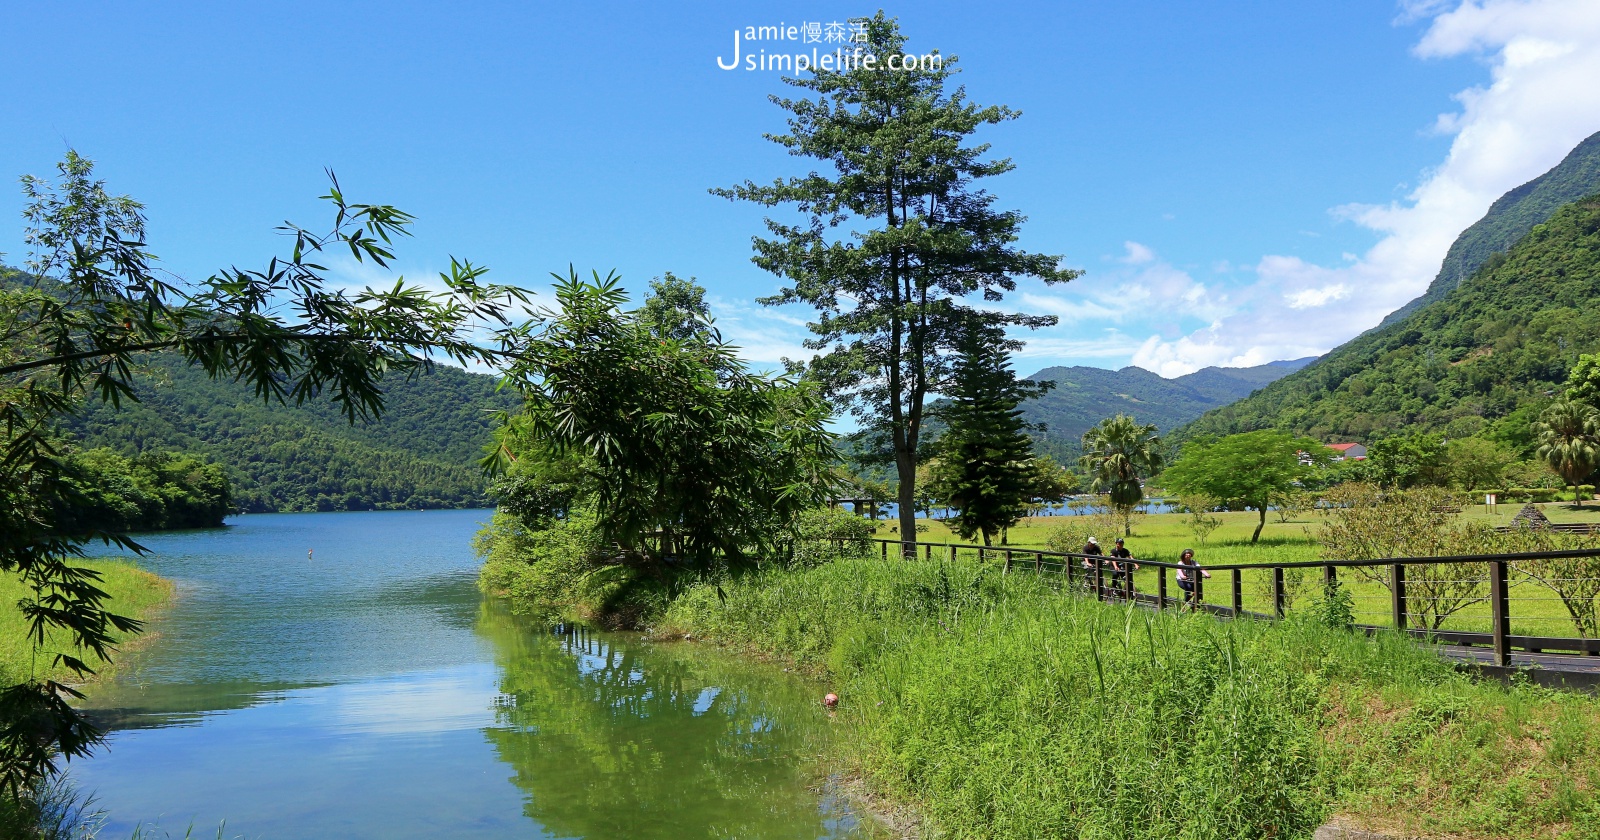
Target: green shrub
544,572
822,535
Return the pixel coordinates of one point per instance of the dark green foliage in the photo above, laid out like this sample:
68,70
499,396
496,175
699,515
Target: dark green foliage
985,466
1118,455
152,492
1495,349
1336,607
1509,219
663,435
1583,382
422,453
1405,461
676,308
545,569
1569,440
1083,396
897,240
823,535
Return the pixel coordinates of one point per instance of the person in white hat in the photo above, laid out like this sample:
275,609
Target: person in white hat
1091,559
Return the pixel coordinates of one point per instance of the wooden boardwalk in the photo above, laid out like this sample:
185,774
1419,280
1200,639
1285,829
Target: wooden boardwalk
1557,661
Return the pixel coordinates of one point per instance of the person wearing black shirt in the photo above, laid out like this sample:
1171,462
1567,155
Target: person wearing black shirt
1122,566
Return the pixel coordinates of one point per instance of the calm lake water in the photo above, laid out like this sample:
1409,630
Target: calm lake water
370,691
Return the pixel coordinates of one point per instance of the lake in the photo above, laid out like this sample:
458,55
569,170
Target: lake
369,690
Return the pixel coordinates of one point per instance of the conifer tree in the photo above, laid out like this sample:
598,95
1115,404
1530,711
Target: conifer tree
920,240
986,465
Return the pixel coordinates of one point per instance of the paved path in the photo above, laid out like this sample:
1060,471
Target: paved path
1519,659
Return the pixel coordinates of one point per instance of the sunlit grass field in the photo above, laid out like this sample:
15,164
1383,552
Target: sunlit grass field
1000,708
1535,610
134,592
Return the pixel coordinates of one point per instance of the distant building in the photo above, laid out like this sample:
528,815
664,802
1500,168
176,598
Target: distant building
1351,451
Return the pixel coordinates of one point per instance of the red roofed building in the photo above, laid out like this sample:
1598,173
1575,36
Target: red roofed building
1352,451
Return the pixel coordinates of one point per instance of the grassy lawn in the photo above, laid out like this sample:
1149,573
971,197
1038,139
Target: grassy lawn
134,592
1535,610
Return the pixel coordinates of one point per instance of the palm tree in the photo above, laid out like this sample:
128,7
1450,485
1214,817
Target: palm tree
1117,454
1569,441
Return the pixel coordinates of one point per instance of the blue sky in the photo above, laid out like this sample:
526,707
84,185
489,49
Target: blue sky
1241,182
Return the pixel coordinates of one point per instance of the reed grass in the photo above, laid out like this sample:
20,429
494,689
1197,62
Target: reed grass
999,706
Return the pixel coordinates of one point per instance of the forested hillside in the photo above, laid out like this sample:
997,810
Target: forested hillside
1083,396
1482,359
422,453
1510,218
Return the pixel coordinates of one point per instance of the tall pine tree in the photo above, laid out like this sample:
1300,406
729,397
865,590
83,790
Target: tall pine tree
985,465
898,237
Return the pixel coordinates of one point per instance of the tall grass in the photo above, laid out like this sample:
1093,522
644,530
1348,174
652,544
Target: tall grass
53,809
1002,708
134,592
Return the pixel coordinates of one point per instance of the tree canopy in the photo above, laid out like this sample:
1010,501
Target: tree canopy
985,466
1569,441
897,240
1254,469
663,434
1480,361
1118,455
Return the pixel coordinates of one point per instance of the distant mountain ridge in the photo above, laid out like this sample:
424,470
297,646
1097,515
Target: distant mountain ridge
1509,219
1482,360
1083,396
421,454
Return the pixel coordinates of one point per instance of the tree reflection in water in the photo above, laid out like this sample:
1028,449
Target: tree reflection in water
615,737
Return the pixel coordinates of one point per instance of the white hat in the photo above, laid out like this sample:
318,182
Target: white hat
1092,540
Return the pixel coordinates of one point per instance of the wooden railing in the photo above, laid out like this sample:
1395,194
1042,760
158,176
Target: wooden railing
1093,573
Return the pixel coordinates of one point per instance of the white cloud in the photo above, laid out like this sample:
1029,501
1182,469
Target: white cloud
765,336
1542,99
1097,312
1137,254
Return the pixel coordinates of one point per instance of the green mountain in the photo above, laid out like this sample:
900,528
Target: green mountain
422,453
1083,396
1509,219
1483,358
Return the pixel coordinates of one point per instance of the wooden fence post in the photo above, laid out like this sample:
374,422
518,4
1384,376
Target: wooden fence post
952,552
1161,587
927,552
885,544
1007,569
1038,561
1397,594
1329,576
1099,580
1279,597
1500,606
1238,592
1199,586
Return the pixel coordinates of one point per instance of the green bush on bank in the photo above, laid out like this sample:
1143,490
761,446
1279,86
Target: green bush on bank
1003,709
822,535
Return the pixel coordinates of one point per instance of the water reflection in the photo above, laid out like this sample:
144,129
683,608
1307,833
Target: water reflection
611,737
373,693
